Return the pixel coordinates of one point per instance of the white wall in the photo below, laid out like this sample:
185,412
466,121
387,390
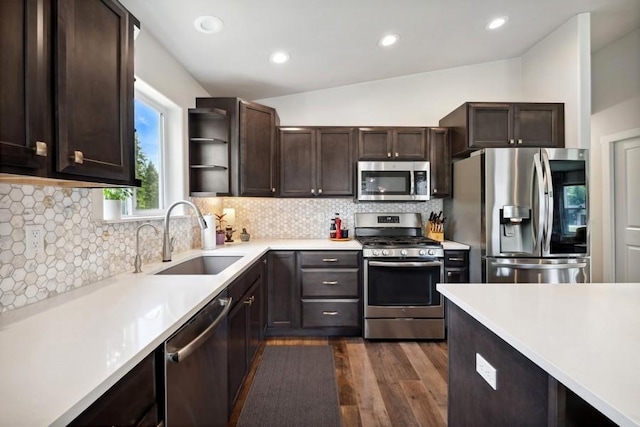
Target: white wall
415,100
615,76
155,66
557,69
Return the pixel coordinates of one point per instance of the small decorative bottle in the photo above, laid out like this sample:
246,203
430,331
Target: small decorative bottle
332,229
338,222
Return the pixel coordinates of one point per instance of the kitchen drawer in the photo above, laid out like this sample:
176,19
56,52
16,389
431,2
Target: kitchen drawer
327,313
330,282
329,259
456,259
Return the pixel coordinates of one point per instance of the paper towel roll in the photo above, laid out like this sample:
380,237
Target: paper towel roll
209,233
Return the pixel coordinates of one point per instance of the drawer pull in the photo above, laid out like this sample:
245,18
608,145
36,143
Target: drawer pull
330,259
330,313
455,259
333,282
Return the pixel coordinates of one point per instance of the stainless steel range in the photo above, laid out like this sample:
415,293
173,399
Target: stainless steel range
401,270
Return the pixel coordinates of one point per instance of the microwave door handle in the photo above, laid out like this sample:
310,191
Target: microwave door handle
537,181
549,207
412,190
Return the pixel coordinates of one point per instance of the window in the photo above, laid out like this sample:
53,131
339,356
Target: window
575,202
149,119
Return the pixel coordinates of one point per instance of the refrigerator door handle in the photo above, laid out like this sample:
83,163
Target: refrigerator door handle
538,224
549,209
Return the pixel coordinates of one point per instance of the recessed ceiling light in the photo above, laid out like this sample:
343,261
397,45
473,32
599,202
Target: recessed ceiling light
388,40
497,23
208,24
279,57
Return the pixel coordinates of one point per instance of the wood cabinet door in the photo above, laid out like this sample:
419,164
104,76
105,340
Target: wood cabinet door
94,91
254,335
440,161
257,150
282,293
409,144
237,349
334,162
490,125
374,143
24,80
297,162
539,125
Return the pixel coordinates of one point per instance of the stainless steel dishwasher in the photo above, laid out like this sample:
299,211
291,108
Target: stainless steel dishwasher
196,368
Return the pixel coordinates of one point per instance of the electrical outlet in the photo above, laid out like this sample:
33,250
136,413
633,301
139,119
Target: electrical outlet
486,371
34,239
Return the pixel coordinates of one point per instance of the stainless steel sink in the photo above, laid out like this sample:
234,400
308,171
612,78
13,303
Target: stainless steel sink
202,265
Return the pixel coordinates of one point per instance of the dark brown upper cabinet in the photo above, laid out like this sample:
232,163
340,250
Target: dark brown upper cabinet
440,162
67,90
476,125
316,162
94,90
24,83
252,145
384,143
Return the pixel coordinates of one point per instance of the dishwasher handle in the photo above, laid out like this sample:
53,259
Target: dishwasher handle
180,355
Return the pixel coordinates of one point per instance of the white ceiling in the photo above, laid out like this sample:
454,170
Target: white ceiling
334,42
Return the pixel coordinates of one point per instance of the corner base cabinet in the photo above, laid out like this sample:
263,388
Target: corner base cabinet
477,125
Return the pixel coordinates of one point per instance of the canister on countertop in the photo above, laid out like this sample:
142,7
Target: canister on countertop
209,233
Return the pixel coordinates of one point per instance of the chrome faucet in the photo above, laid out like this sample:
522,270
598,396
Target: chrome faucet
137,263
167,244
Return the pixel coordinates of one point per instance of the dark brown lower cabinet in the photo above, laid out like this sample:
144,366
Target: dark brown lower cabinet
456,266
132,401
525,394
246,326
282,294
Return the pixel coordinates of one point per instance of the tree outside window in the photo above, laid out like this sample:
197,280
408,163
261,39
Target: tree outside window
148,152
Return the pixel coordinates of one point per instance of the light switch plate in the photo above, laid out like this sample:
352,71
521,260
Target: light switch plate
486,371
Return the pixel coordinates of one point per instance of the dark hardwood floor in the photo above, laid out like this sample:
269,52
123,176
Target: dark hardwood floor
379,383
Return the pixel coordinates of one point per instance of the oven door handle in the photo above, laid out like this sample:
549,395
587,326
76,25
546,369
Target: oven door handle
405,264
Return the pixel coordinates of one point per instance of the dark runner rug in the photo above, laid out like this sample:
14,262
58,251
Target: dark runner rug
293,386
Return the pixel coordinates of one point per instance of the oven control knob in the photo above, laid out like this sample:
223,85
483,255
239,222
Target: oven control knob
431,252
422,252
403,252
385,252
376,252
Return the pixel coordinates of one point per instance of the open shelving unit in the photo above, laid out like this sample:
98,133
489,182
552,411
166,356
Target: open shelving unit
209,134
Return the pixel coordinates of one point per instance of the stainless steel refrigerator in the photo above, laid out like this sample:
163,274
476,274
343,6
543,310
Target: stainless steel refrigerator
525,214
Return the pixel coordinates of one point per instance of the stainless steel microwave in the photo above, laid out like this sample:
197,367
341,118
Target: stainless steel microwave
394,181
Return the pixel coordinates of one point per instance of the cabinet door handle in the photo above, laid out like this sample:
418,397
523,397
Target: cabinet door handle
397,154
250,300
273,190
388,154
330,259
78,157
330,313
519,141
511,142
332,282
435,190
40,149
320,191
313,191
449,274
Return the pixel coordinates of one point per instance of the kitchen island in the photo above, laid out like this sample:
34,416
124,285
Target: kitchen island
570,348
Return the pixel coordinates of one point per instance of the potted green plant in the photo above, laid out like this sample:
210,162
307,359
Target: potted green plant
220,234
112,203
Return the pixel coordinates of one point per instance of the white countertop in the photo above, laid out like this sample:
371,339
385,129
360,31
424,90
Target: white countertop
60,355
585,336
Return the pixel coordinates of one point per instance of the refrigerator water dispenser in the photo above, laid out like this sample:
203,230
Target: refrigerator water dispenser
515,221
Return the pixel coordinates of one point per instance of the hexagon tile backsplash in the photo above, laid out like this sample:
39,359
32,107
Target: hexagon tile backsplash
77,250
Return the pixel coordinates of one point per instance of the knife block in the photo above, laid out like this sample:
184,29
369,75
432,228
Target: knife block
434,231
